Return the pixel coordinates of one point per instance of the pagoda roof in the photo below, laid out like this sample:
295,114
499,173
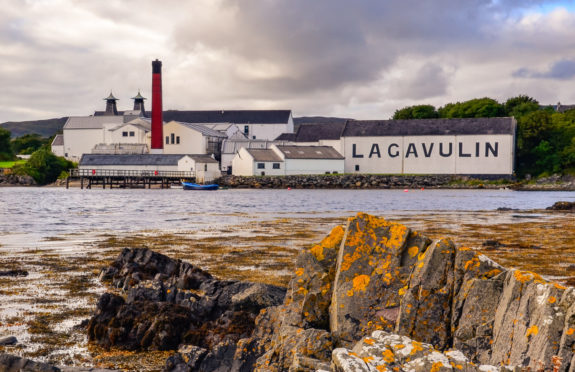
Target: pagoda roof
111,98
139,96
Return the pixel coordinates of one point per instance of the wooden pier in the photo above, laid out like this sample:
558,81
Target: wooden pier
127,179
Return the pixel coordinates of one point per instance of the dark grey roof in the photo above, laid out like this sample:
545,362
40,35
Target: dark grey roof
315,132
203,158
309,152
264,155
91,122
142,159
286,137
231,116
58,140
428,127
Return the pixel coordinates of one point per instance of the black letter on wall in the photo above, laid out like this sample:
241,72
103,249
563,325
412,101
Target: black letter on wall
441,150
374,150
425,152
493,150
354,149
396,154
461,154
411,149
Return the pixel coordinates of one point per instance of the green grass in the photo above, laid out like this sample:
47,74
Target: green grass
10,164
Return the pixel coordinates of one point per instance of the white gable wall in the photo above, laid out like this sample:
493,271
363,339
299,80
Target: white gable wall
313,166
243,163
123,135
81,141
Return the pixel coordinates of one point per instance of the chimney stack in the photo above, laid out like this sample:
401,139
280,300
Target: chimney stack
157,120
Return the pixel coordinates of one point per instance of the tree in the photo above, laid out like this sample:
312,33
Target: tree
416,112
28,143
520,106
6,152
475,108
44,166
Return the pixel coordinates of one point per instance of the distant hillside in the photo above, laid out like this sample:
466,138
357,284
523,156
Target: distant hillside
45,128
316,120
49,127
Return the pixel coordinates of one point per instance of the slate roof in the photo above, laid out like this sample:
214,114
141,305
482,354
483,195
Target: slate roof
309,152
208,132
428,127
230,116
58,140
264,155
91,122
286,137
141,159
315,132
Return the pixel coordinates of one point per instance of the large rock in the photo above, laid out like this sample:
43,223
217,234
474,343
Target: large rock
169,303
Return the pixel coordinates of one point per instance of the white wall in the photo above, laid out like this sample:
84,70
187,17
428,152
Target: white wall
150,168
243,163
267,131
116,136
191,141
313,166
421,154
81,141
268,169
198,168
58,150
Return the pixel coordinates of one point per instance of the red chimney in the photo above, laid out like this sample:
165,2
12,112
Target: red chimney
157,121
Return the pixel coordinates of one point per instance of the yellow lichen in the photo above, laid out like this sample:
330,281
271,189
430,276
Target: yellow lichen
299,271
570,331
368,341
402,291
416,346
317,251
413,251
388,356
552,300
360,283
532,331
436,367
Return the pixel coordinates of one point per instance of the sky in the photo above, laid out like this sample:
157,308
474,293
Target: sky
360,59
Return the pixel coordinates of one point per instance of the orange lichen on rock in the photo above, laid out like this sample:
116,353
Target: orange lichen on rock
388,356
360,283
299,271
532,331
527,276
570,331
436,367
413,251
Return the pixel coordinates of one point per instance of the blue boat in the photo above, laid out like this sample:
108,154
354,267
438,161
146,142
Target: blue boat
195,186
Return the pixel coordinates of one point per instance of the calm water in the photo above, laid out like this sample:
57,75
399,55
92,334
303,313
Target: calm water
42,212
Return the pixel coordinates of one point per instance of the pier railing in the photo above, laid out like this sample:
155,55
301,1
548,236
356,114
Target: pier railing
129,173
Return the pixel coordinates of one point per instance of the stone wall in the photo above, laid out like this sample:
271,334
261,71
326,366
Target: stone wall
352,181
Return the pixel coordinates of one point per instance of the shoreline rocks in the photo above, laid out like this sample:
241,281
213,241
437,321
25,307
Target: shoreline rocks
374,295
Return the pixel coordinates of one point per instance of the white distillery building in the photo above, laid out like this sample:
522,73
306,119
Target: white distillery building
253,124
283,160
203,167
317,134
474,146
184,138
231,146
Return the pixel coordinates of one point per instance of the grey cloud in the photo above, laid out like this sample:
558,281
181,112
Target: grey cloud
561,70
431,80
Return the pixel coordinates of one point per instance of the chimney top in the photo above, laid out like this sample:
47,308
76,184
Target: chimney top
157,67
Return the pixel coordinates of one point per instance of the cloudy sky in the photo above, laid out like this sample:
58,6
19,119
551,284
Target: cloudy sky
362,59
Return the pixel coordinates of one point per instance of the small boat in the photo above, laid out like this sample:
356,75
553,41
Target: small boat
195,186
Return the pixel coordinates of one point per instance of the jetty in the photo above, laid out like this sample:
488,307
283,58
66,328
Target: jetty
127,179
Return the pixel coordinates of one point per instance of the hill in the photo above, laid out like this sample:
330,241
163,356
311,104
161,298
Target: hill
45,128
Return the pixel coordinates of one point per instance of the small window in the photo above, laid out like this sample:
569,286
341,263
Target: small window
172,138
167,140
357,168
253,137
276,165
124,134
246,129
263,173
261,166
132,134
177,140
205,167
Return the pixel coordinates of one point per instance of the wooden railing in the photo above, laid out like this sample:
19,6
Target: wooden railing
129,173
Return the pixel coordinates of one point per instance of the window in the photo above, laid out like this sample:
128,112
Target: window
205,167
253,137
172,138
132,134
357,168
167,140
124,134
261,166
177,140
246,129
276,165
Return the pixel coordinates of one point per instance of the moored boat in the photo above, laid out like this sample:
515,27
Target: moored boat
195,186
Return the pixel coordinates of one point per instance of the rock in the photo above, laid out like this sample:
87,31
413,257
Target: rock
12,363
11,340
170,303
14,273
563,206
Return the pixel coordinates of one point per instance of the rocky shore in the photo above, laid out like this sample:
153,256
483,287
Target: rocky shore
371,296
369,181
16,180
